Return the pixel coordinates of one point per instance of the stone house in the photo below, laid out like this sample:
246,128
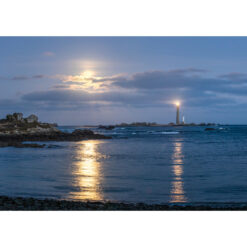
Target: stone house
18,116
32,119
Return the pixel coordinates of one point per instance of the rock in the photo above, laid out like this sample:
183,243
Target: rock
29,145
21,145
83,132
53,146
110,127
14,131
209,129
48,135
24,203
4,144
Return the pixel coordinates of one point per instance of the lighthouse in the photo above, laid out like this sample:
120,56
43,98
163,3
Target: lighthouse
177,113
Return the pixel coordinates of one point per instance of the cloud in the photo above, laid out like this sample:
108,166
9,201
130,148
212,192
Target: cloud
188,70
22,77
145,80
234,76
184,83
38,76
183,78
15,105
57,95
17,78
87,81
81,98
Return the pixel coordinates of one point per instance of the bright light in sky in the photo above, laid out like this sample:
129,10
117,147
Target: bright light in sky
87,74
87,81
177,103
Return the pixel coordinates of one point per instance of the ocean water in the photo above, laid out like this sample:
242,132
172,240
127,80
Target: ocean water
140,164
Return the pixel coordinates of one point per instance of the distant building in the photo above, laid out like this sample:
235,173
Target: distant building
15,117
18,116
32,119
183,121
10,117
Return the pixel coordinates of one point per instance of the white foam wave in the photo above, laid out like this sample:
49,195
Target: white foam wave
170,132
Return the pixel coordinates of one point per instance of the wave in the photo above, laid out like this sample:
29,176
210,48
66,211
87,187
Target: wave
147,133
170,132
164,132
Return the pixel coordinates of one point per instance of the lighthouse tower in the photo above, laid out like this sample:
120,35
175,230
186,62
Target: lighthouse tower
177,115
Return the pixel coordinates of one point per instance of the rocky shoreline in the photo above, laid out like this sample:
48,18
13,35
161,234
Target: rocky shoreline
33,204
14,130
76,135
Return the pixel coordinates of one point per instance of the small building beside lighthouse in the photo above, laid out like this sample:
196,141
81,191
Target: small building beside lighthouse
183,121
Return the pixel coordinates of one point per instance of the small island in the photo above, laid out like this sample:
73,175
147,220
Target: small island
15,129
149,124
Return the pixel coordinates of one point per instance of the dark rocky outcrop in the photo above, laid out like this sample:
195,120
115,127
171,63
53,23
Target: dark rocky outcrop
109,127
21,145
76,135
15,129
209,129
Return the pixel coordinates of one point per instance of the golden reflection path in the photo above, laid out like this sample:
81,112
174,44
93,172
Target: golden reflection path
177,187
87,171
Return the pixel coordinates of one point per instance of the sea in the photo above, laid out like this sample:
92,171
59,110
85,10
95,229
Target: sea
154,165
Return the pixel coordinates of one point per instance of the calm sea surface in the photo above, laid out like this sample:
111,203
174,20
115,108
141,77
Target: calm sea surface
140,164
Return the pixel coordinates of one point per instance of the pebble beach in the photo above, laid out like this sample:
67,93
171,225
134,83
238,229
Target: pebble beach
32,204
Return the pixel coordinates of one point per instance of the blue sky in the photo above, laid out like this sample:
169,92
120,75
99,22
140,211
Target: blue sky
93,80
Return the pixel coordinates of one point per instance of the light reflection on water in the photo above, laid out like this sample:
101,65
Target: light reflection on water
88,176
177,187
87,171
